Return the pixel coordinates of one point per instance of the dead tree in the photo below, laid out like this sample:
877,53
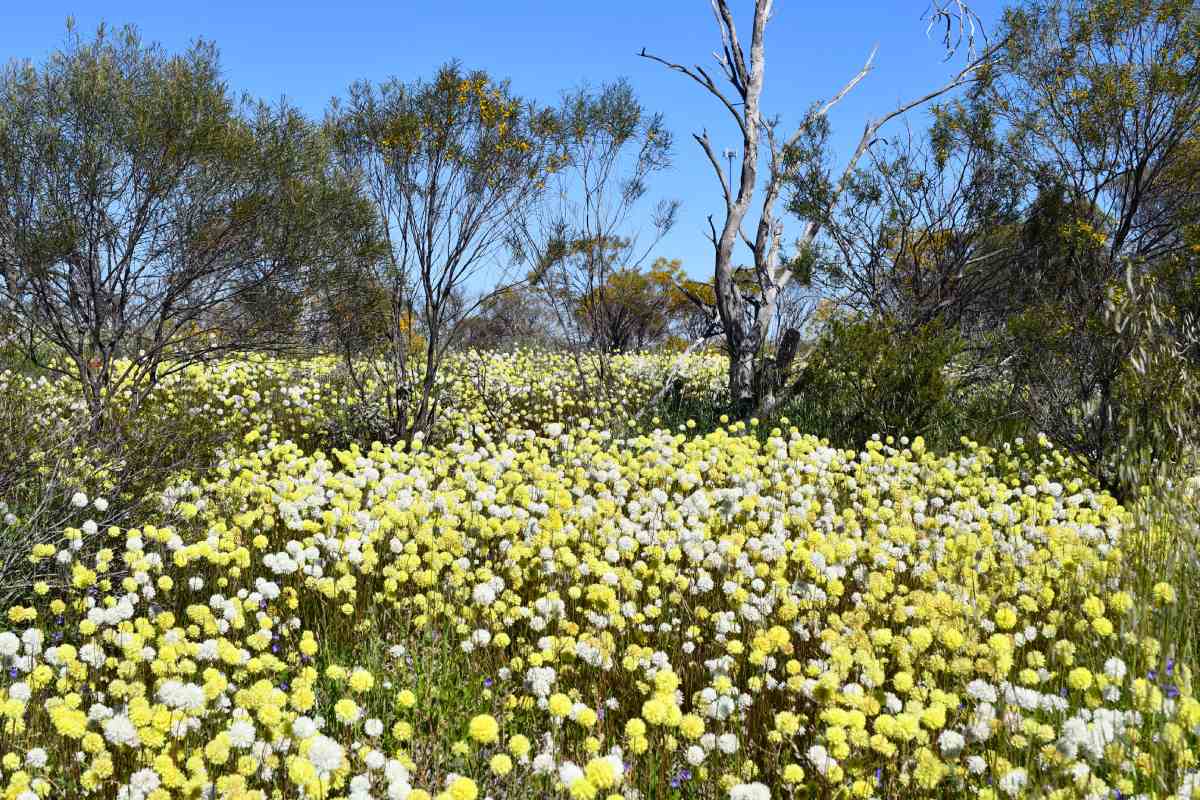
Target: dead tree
747,312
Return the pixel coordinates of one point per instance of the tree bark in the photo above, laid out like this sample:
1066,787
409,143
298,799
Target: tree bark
742,384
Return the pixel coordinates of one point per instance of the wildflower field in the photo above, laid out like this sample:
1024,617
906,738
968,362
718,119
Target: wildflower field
578,604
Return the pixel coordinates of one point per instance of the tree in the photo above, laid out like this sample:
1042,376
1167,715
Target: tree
608,147
921,233
633,309
147,214
1101,103
451,165
1049,217
511,316
747,316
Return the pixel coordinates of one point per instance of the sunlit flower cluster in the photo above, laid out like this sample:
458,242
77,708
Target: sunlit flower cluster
549,609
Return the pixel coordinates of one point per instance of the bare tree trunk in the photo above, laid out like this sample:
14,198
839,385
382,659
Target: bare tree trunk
742,380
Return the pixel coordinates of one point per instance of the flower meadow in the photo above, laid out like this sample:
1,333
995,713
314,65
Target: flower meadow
569,605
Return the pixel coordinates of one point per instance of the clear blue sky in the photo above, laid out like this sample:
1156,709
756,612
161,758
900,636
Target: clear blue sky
310,50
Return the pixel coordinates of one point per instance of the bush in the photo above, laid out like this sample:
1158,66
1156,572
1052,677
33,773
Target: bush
865,377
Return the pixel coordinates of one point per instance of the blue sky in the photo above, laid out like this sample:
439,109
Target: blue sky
310,50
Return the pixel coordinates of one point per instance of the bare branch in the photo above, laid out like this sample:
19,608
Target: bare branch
963,77
837,98
733,62
958,22
702,78
706,145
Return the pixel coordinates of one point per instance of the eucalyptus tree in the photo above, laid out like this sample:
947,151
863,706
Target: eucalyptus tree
1100,107
143,207
450,166
922,233
1050,217
588,229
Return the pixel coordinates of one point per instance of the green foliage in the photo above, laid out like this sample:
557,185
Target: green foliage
865,377
632,308
1158,386
150,216
1162,546
446,164
581,246
1064,181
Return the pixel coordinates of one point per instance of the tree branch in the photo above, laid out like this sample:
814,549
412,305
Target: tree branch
706,145
734,61
964,76
837,98
702,78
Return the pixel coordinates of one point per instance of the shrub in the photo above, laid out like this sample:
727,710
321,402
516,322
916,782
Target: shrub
865,377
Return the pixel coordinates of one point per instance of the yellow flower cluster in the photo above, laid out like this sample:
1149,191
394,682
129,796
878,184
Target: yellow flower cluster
548,609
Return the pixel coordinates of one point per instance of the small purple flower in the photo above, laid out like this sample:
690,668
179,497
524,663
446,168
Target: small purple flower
487,682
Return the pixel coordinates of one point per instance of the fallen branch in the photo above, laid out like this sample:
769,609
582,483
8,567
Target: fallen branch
703,341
